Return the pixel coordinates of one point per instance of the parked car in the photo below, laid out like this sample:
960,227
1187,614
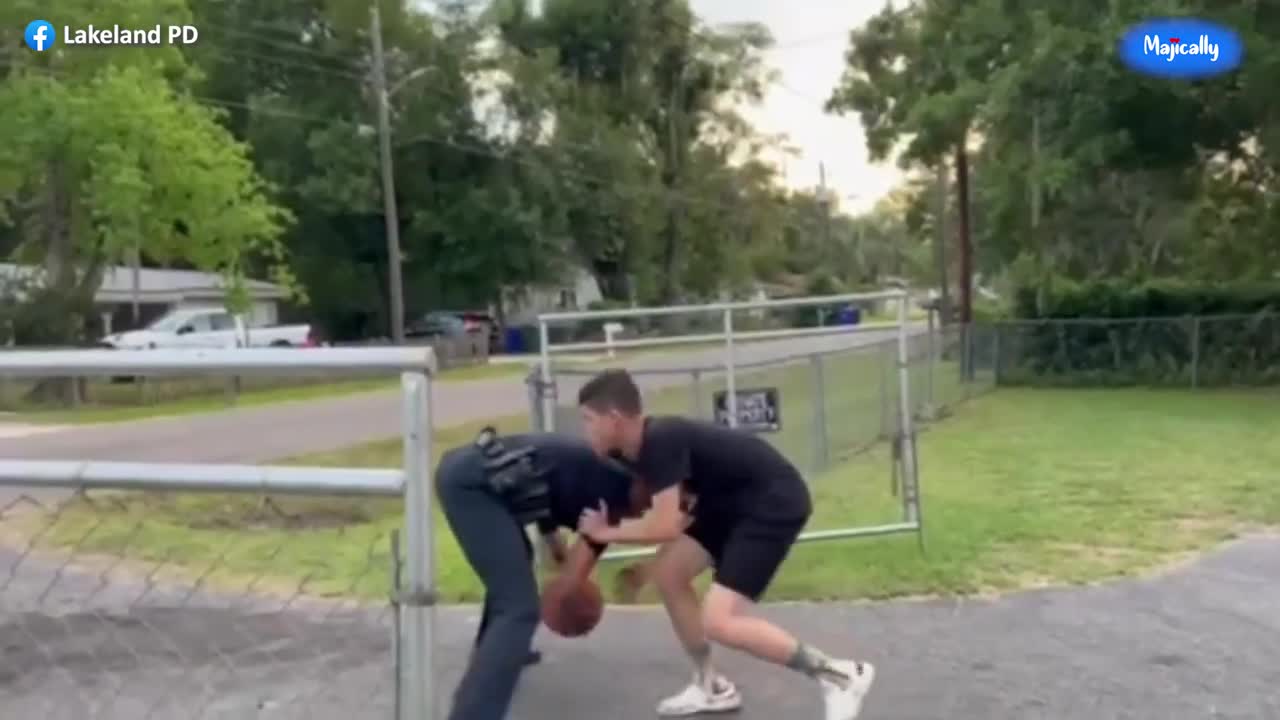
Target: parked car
208,328
454,324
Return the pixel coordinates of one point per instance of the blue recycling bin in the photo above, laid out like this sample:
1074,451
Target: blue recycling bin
513,341
849,315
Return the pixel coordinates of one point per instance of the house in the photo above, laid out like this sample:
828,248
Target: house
577,291
156,292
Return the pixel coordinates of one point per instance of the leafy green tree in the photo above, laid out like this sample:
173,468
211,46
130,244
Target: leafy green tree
108,154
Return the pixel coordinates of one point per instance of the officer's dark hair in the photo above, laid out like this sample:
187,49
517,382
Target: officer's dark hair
612,390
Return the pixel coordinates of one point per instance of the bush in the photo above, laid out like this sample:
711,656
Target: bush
1162,333
1164,299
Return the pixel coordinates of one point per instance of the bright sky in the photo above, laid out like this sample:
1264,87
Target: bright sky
810,39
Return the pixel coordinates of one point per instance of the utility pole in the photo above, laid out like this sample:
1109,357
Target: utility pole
940,245
391,214
1036,198
826,205
135,266
966,239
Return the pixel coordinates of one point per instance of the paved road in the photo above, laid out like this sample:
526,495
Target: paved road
1200,643
273,432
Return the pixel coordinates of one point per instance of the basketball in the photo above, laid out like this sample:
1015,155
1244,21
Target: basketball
572,609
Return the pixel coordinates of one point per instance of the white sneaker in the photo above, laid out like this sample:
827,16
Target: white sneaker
697,699
843,701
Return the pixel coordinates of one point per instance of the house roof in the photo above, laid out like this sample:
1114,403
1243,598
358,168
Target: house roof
158,286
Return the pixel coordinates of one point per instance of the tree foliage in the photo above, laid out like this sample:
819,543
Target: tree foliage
108,154
1081,167
611,136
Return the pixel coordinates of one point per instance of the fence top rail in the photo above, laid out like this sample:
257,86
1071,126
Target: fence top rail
178,477
565,317
239,361
715,340
1154,319
711,369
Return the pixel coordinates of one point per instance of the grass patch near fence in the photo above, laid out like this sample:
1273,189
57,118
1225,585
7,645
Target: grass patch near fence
1021,488
120,402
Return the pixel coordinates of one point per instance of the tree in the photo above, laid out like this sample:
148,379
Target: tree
108,154
1080,167
643,112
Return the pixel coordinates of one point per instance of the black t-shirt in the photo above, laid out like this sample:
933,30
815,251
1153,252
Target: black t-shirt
729,472
579,479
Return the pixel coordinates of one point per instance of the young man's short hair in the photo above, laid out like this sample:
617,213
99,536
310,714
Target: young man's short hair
612,390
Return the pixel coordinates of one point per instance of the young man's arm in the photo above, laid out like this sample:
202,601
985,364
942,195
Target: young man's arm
665,521
664,465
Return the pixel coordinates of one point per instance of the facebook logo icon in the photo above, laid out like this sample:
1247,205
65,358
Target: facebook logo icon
40,35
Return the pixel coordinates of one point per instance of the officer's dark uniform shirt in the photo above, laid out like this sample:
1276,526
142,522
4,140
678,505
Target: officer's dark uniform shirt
578,479
730,473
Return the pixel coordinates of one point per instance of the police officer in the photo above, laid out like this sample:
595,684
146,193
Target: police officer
491,490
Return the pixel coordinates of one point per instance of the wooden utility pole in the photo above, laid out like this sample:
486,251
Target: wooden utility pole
940,244
826,205
395,279
966,239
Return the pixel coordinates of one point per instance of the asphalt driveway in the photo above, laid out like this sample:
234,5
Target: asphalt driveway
1201,642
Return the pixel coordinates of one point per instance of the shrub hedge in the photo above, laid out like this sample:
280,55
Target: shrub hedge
1166,333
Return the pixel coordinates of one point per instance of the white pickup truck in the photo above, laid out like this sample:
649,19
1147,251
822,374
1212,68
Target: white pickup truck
208,328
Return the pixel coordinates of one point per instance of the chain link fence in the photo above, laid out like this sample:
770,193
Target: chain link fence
835,401
828,397
99,623
57,393
1225,350
169,590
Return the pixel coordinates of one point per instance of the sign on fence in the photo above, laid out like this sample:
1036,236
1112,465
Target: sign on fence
758,409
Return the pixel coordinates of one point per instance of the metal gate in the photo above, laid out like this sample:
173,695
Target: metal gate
822,394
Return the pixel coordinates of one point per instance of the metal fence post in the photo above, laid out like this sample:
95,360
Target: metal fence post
536,420
730,379
820,441
419,602
695,405
996,360
886,378
910,481
548,397
1195,352
932,363
397,655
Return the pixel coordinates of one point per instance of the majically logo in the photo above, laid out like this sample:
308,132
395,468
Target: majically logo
1181,48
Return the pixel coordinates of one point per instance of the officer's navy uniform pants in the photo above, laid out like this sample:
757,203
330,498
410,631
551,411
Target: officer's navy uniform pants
497,548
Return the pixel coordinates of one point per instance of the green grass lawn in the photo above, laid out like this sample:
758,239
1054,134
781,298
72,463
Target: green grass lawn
1020,488
116,402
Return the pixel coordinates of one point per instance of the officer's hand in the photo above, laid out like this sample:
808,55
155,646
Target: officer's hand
594,522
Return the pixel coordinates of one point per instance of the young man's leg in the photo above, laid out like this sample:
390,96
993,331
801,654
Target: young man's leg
678,564
752,555
494,545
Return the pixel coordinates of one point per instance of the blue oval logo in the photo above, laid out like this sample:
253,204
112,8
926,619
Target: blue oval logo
1181,48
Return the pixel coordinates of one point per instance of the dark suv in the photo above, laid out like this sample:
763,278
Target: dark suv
454,324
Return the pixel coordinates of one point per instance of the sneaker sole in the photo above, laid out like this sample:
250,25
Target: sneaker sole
728,706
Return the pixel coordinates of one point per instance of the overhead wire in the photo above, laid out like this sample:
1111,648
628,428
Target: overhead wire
238,54
621,190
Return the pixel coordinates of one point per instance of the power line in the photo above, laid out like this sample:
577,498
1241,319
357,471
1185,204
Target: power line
296,45
296,64
621,190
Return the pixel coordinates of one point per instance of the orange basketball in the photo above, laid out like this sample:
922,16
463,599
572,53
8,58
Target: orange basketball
572,609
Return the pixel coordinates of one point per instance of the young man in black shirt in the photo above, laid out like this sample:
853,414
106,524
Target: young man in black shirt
749,506
490,491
